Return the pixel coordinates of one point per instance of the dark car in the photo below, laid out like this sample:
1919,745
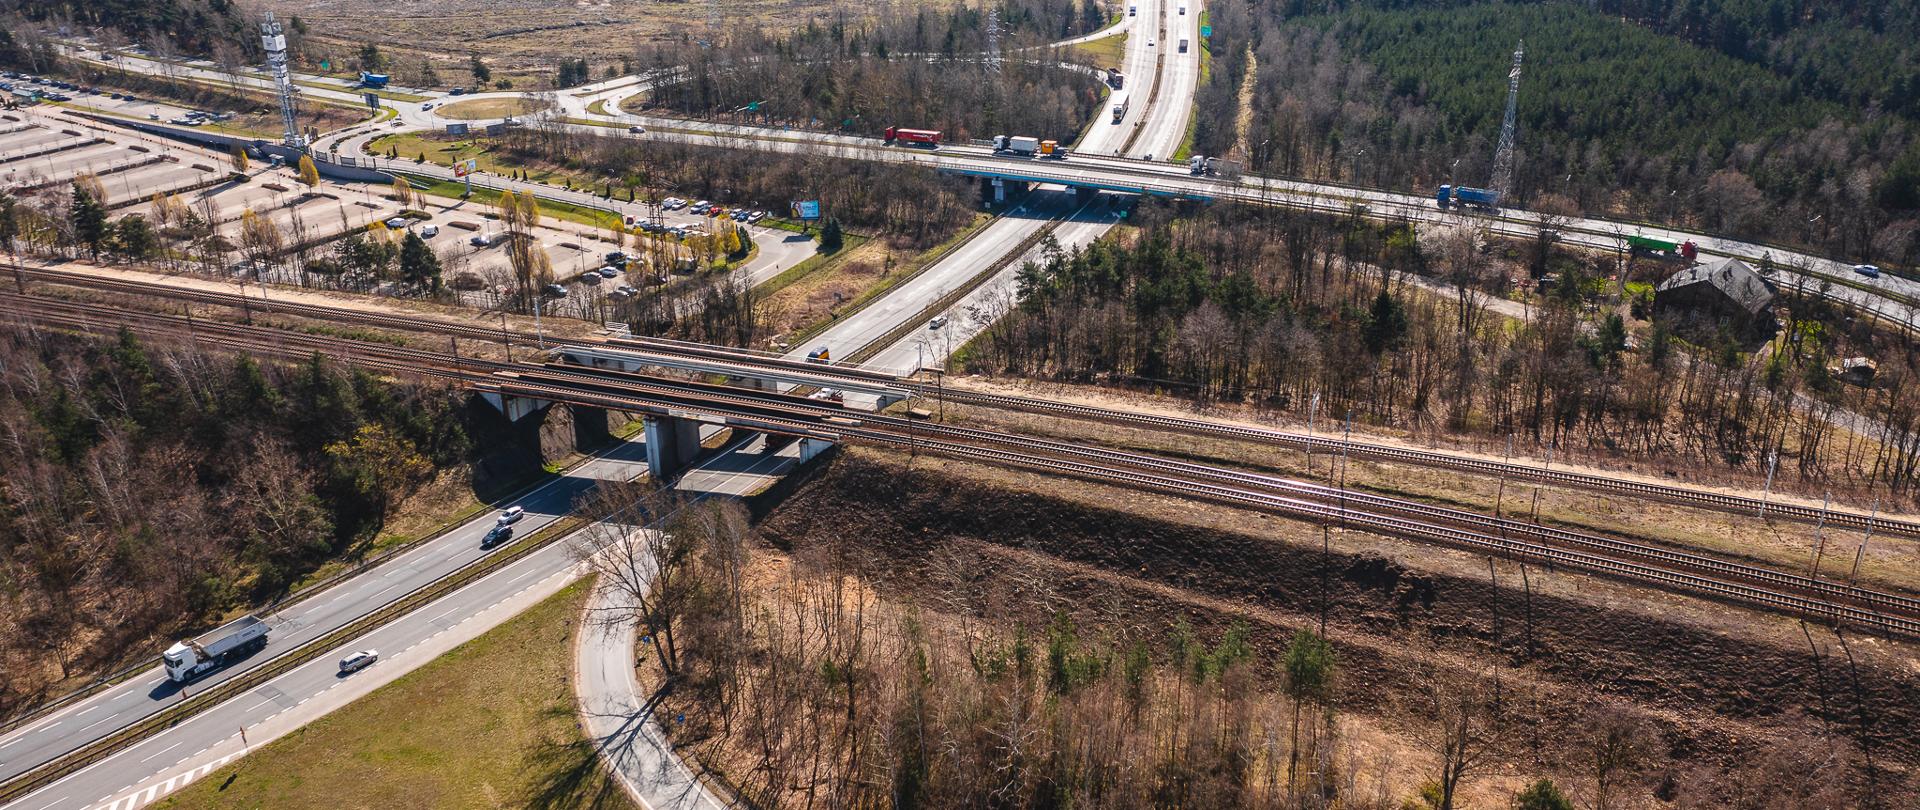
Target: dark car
555,290
499,534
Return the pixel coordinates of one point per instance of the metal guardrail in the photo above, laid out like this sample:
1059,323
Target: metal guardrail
159,720
950,298
815,330
295,598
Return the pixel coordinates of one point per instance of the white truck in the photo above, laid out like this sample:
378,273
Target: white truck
1026,146
194,657
1119,106
1017,144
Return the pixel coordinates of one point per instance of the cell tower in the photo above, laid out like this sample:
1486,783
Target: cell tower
1503,154
276,45
993,41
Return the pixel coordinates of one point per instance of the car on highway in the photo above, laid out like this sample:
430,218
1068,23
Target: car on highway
496,536
358,661
457,91
426,106
555,290
1867,270
636,129
1150,43
937,322
511,515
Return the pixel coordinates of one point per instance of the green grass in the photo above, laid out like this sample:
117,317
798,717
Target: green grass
598,107
487,197
809,265
490,724
478,109
1107,52
592,122
389,95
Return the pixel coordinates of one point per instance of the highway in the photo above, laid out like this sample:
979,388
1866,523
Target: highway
1160,126
147,770
51,735
1892,299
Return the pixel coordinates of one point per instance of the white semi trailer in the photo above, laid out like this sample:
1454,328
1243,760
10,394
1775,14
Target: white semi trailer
189,659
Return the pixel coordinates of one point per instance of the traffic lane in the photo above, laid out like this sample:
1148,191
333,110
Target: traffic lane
977,310
127,703
310,690
870,323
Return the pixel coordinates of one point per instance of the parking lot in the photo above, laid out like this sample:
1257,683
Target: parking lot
41,150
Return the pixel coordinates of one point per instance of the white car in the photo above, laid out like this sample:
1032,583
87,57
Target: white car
937,322
429,231
512,514
1867,270
358,661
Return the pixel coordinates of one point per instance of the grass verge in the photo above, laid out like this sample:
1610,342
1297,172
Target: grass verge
490,724
1106,52
490,108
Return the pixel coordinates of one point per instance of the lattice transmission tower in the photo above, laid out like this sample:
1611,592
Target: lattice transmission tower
1503,154
276,46
993,41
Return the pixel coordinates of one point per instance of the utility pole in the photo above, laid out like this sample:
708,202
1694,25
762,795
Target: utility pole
1503,154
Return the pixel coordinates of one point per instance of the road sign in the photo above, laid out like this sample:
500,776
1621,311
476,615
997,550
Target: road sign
457,129
1206,31
466,167
373,101
806,209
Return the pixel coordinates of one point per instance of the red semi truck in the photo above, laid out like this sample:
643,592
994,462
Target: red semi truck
929,137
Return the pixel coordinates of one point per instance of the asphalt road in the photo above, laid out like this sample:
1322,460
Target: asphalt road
147,771
122,705
619,716
1586,231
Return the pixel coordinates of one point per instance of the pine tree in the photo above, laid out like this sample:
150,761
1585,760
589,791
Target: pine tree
89,220
418,264
831,240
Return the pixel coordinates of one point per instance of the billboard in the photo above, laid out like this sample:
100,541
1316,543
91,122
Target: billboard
466,167
456,129
806,209
373,101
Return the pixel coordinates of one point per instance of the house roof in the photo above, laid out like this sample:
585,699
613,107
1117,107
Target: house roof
1732,277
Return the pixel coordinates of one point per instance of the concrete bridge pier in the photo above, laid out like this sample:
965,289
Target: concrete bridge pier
672,444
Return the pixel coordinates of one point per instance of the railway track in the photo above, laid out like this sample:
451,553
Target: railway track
748,361
1720,579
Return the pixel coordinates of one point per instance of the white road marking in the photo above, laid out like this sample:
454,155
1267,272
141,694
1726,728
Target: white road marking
161,751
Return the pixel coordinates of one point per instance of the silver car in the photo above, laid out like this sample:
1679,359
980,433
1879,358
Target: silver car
358,661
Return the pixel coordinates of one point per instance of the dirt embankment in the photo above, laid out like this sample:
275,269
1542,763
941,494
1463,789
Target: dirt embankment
1724,699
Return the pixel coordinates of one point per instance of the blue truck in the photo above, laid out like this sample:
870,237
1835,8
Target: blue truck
1467,197
373,80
